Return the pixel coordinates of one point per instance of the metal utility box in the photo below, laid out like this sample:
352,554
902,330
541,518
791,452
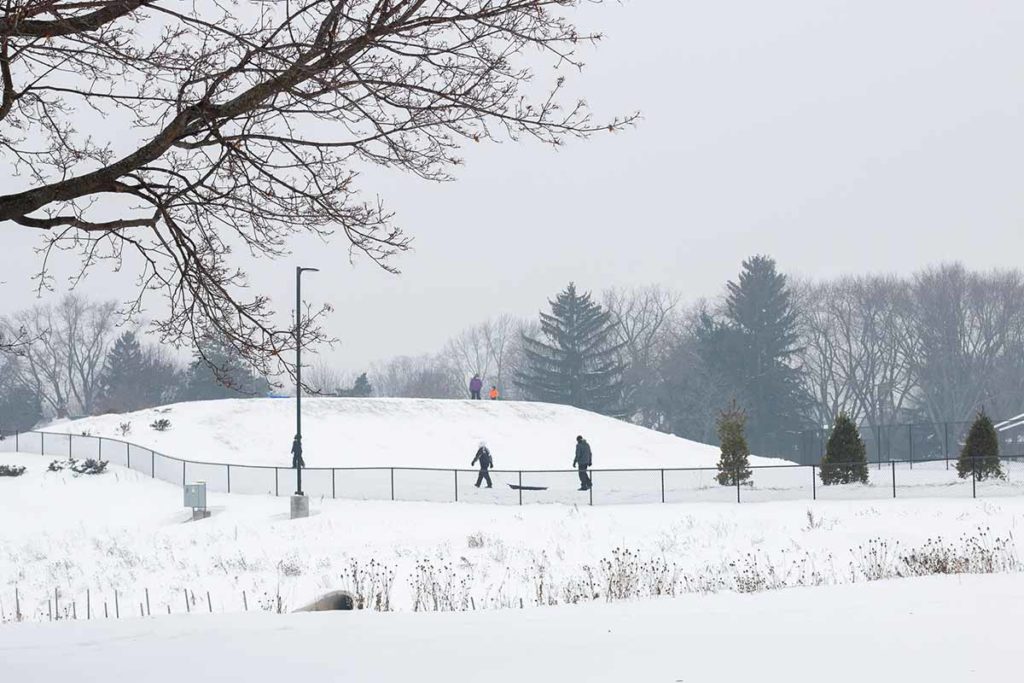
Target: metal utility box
195,498
195,495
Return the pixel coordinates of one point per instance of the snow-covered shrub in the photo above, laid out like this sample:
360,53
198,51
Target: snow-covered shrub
475,540
977,554
88,466
11,470
124,428
161,425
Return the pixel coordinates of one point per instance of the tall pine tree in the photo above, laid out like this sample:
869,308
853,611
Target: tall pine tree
575,360
753,344
218,371
124,387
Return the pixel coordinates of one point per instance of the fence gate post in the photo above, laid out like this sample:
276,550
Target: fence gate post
893,463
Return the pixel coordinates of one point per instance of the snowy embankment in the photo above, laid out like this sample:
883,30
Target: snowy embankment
121,532
350,432
936,629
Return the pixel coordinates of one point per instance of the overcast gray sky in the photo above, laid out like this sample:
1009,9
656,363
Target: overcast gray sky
839,136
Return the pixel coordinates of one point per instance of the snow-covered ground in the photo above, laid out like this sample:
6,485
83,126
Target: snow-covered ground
937,629
384,432
123,532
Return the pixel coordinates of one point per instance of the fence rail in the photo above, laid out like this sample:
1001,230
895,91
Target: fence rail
892,479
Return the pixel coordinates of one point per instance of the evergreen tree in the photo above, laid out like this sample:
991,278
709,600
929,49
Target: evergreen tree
362,387
218,371
980,454
124,388
753,344
575,360
20,407
734,464
846,459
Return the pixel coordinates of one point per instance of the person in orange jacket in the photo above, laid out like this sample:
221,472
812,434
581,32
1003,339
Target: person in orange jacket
494,393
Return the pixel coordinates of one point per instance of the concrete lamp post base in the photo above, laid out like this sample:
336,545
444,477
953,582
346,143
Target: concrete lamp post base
300,506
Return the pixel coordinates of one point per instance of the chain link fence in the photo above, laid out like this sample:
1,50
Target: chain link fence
923,477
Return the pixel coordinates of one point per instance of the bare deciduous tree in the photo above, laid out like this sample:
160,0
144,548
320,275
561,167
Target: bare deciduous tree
485,349
234,126
63,363
642,318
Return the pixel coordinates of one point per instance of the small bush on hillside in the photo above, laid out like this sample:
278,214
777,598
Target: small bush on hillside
980,455
88,466
11,470
734,463
161,425
125,428
846,459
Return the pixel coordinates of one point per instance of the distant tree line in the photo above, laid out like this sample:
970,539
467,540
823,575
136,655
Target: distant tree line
932,347
940,345
75,362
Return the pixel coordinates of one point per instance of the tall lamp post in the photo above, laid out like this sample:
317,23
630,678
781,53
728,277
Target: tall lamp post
300,504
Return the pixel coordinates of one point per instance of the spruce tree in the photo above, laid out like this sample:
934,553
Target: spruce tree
980,454
846,459
575,360
362,387
753,345
734,464
124,387
218,371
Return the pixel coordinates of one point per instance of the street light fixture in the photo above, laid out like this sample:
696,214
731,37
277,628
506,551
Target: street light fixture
298,382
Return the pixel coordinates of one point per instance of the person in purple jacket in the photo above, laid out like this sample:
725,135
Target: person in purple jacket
475,386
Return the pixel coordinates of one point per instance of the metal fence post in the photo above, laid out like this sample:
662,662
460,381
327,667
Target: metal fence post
70,439
152,464
128,455
392,483
183,473
42,443
17,443
334,483
100,448
663,485
814,483
229,477
456,473
893,463
945,434
910,434
590,489
277,483
520,487
974,476
736,475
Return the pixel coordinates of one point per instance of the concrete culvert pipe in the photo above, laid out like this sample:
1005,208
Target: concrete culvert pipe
330,602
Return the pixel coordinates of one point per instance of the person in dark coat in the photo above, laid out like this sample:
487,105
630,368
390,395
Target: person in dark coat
475,386
297,461
483,456
582,461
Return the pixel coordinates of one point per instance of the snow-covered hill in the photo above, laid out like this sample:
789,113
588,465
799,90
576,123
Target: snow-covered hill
348,432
